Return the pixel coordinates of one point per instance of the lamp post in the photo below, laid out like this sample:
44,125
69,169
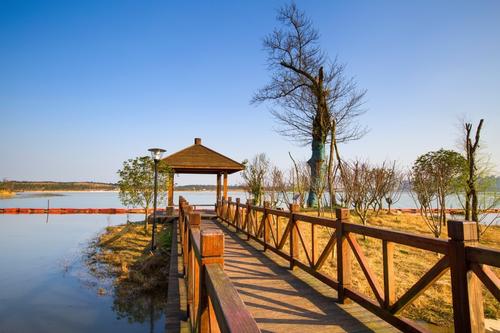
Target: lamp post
156,155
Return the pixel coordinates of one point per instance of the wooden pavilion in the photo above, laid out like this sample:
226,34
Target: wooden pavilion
198,159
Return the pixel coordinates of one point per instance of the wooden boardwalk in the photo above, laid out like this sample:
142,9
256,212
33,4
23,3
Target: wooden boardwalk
281,300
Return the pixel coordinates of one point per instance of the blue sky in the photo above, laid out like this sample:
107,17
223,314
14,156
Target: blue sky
86,85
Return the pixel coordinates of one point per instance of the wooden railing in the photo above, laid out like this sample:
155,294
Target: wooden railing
213,303
278,231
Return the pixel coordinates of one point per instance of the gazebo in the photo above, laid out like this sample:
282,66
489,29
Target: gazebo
198,159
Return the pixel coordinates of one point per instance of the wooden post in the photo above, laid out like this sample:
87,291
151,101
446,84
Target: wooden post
186,245
237,214
212,252
466,288
248,218
194,219
171,190
389,281
225,185
294,235
228,211
192,263
314,244
218,187
267,225
343,254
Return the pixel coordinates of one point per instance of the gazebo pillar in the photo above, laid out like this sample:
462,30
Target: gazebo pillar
225,185
218,187
170,201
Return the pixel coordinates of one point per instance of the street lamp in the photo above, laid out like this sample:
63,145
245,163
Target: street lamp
156,155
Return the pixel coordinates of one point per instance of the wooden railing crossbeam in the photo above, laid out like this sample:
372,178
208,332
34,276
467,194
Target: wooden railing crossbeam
226,302
421,285
482,255
363,263
488,278
326,252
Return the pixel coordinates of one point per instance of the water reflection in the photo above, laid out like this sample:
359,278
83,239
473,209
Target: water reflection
146,308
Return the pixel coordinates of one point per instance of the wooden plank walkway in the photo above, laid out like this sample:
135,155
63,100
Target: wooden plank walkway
281,300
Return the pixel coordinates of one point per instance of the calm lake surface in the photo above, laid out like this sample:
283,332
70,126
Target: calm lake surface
44,282
111,200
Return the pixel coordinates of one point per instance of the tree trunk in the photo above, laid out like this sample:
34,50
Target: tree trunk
331,186
146,219
467,206
315,164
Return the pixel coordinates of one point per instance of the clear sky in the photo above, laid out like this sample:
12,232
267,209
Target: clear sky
86,85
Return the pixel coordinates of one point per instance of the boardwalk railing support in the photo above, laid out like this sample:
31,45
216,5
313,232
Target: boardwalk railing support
465,286
294,236
343,254
265,221
212,252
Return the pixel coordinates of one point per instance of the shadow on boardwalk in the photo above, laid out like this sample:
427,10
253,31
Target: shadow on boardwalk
281,300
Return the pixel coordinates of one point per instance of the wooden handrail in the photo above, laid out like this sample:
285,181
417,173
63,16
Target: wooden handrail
214,305
228,307
461,257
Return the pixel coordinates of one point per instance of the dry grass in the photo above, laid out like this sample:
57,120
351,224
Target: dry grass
140,277
125,252
434,305
4,194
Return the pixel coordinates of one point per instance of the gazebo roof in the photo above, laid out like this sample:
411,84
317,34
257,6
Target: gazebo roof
201,160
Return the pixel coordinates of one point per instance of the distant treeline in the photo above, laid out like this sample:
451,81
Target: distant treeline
26,186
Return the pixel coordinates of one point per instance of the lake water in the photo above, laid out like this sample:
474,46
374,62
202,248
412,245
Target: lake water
44,282
97,199
111,200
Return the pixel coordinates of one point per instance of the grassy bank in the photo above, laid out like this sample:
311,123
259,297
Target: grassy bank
5,194
433,306
140,278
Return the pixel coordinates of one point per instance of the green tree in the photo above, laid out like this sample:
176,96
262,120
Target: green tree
136,184
434,176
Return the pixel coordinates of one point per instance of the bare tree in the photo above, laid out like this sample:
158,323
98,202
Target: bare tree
386,185
394,186
471,200
300,180
254,176
378,186
358,184
311,91
487,201
273,184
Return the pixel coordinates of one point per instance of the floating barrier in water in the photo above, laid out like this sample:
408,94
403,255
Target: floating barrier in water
74,210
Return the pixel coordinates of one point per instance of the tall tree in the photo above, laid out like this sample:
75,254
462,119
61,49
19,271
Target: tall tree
136,184
311,91
471,148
